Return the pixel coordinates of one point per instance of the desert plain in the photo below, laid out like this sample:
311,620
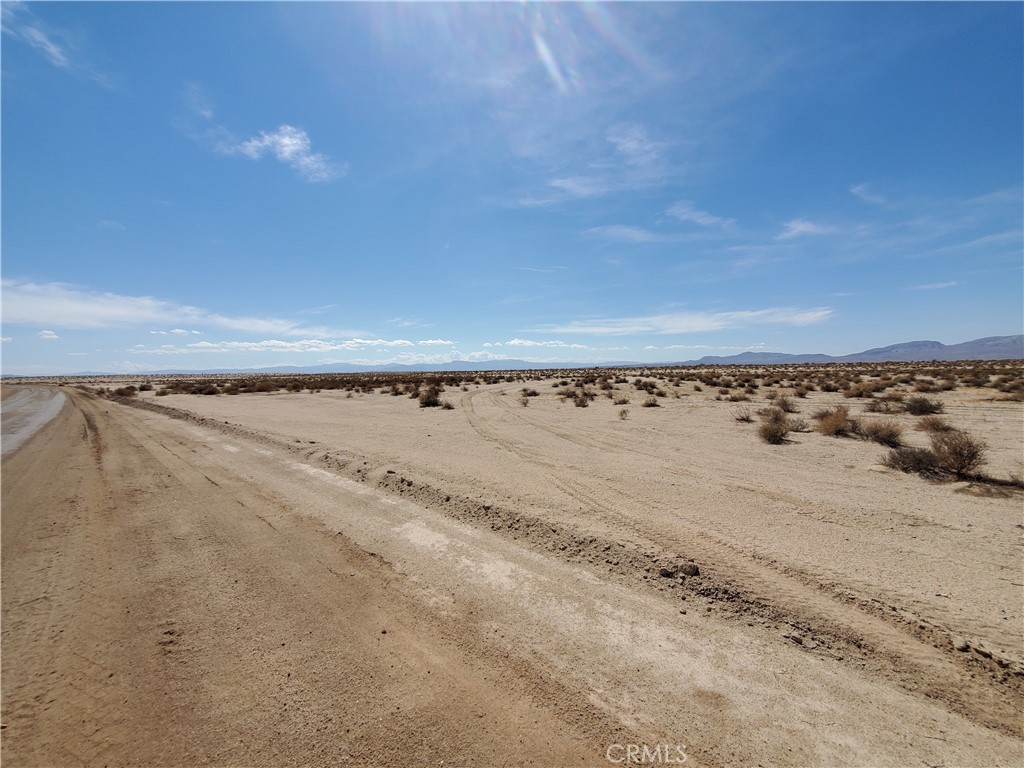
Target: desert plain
547,568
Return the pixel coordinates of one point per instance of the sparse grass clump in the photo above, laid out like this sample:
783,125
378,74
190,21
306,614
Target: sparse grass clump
650,402
624,414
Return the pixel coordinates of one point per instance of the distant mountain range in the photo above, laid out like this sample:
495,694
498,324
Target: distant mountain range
989,348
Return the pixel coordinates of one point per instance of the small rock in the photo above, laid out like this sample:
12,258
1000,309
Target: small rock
667,572
961,644
983,652
688,569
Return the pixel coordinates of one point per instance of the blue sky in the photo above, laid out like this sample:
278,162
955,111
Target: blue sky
191,185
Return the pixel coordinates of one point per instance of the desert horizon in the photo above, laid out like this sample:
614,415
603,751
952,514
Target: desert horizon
621,553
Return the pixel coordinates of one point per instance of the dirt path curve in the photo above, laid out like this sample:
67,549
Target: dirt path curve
180,596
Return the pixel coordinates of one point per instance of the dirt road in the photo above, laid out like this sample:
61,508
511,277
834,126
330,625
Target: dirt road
179,594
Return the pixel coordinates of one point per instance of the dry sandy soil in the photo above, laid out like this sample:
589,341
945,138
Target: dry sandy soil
316,579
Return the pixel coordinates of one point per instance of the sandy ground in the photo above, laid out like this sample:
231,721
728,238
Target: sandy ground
318,579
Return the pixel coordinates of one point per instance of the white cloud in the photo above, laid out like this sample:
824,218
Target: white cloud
292,146
684,210
624,233
436,343
799,227
532,343
64,306
695,322
110,225
5,339
48,335
934,286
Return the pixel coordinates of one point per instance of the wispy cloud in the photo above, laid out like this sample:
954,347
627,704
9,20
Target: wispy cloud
694,322
632,142
684,210
800,227
5,339
581,186
407,322
293,147
934,286
625,233
865,194
55,45
110,225
64,306
48,335
544,270
196,100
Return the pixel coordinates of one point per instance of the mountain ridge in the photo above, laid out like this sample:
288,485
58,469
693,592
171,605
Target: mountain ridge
986,348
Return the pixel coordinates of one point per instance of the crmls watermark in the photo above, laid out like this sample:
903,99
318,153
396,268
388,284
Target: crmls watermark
645,754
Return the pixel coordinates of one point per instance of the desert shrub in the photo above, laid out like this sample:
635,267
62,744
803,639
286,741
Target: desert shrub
128,391
887,433
934,424
621,401
798,425
650,402
624,413
163,392
738,398
447,406
773,432
145,387
530,392
697,388
580,400
787,405
742,414
430,398
922,406
834,422
958,452
524,401
921,460
801,391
